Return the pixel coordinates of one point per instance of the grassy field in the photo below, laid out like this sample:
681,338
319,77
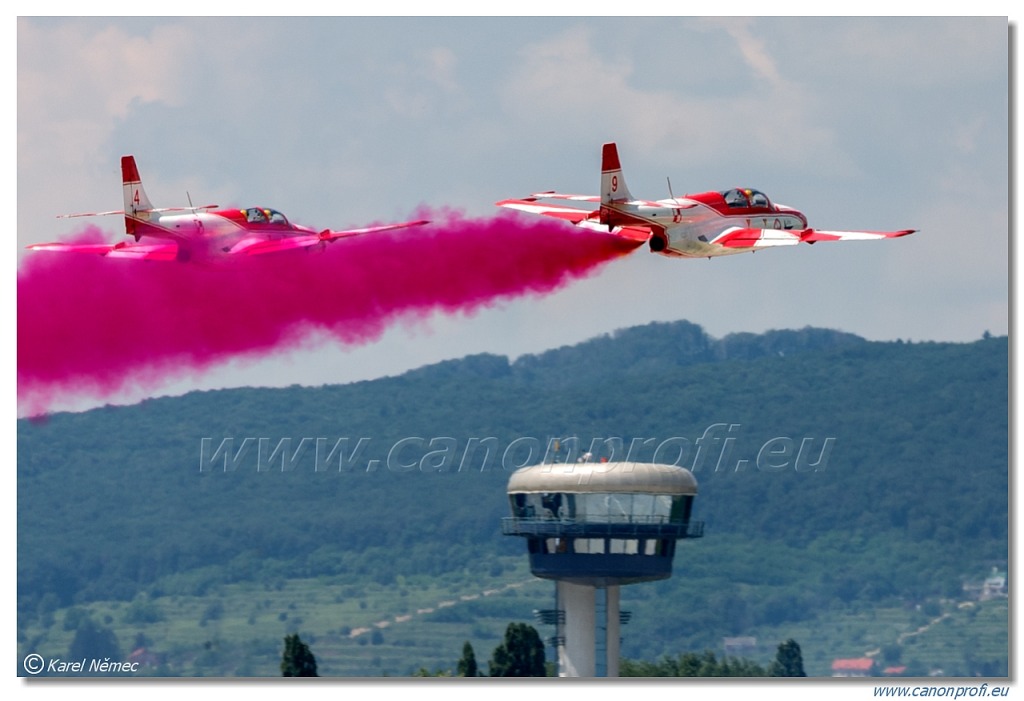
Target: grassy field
356,629
951,639
352,629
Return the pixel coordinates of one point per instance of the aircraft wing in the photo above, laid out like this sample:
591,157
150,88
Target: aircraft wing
328,235
121,211
763,238
552,195
640,234
580,217
134,251
258,245
815,235
530,204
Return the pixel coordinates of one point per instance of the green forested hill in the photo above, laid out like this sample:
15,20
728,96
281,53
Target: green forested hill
834,473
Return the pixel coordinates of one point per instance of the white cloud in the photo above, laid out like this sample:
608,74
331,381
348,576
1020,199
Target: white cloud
567,84
77,83
74,83
753,48
440,64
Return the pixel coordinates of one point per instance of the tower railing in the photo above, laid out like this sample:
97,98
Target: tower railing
549,617
632,527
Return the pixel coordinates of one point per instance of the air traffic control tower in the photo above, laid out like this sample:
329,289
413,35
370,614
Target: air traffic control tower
593,527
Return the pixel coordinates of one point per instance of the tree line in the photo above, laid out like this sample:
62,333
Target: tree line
521,654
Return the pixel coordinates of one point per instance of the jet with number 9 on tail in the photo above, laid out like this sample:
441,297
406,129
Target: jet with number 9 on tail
703,225
203,234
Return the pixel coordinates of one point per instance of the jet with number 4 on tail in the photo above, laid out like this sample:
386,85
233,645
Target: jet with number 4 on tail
203,234
703,225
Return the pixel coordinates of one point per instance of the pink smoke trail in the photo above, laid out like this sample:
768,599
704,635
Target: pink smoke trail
91,326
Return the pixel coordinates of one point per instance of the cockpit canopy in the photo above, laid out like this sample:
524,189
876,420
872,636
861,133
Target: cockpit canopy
261,215
745,197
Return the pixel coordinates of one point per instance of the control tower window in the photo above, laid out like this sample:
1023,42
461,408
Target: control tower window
620,506
662,507
551,545
623,546
589,546
552,504
643,507
681,507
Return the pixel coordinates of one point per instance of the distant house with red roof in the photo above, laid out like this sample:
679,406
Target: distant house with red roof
853,667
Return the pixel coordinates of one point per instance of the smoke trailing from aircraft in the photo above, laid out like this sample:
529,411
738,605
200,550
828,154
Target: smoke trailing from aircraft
91,327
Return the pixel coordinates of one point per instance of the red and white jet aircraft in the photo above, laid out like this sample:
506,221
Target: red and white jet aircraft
694,226
202,234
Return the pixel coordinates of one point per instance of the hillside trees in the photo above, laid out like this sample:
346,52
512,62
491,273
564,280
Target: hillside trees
789,661
692,664
467,666
93,641
521,654
297,660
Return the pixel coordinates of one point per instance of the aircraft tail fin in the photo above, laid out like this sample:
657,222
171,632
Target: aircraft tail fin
135,199
613,186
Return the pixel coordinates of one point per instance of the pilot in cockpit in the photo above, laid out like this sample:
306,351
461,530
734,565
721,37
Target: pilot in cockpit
255,215
736,198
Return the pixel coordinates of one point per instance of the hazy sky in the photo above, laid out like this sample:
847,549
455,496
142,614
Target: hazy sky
860,123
